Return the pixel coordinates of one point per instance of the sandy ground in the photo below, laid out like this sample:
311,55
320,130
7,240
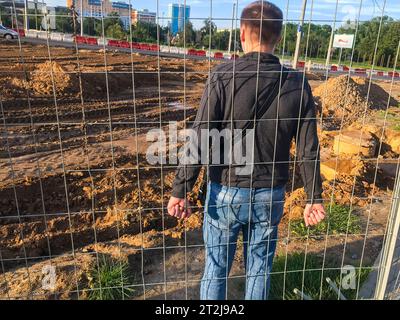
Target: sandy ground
74,181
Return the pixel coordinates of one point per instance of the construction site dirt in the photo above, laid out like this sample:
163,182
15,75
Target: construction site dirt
75,183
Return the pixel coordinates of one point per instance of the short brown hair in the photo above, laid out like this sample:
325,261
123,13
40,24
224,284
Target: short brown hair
266,15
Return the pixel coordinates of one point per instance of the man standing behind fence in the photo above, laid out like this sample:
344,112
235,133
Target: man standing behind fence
252,202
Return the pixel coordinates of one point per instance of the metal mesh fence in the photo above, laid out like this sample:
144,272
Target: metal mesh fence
84,212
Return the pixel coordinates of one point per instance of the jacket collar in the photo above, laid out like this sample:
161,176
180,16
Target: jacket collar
264,56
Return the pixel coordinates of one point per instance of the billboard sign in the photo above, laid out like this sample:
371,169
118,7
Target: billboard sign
344,41
49,18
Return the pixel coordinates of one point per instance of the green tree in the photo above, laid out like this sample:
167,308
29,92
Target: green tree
206,32
314,43
111,20
288,40
145,32
90,26
187,37
5,16
64,21
165,35
35,18
221,40
115,31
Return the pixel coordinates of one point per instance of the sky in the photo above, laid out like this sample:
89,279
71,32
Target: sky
318,11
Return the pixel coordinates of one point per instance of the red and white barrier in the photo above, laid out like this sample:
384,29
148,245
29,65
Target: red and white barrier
68,38
21,32
99,41
56,36
31,34
42,34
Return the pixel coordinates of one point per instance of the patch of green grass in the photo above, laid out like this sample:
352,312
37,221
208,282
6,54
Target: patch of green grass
389,115
396,127
108,280
392,118
382,114
312,275
340,219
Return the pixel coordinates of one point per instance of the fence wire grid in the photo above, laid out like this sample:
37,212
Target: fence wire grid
83,214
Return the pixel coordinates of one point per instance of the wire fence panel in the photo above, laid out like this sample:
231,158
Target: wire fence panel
101,106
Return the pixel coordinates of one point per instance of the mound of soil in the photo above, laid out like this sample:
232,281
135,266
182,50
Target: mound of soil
42,79
315,76
347,99
11,87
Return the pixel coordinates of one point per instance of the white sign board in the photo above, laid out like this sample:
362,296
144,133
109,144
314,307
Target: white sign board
49,18
344,41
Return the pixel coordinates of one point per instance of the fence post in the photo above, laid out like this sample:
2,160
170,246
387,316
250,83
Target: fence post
390,244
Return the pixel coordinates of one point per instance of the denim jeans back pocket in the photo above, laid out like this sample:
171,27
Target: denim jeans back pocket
223,216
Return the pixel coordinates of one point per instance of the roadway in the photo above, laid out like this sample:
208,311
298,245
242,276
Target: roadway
64,44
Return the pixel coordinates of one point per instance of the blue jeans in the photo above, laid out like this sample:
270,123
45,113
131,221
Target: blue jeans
227,212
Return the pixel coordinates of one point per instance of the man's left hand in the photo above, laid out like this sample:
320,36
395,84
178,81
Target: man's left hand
313,214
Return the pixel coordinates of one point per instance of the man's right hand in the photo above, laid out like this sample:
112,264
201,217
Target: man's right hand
179,208
314,214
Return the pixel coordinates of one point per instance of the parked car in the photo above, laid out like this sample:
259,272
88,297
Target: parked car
8,33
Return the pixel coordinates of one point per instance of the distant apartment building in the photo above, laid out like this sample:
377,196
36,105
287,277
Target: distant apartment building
94,8
143,16
178,15
20,4
124,11
38,7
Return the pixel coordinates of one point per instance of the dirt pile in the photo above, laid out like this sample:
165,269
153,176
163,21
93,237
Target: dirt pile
42,79
347,99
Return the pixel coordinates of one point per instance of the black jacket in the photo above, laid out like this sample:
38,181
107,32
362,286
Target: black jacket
229,98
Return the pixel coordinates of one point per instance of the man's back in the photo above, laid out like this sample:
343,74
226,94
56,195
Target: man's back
228,101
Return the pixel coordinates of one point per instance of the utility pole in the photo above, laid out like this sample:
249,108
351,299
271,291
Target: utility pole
340,56
36,17
26,27
230,33
299,34
74,16
12,17
328,55
82,18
